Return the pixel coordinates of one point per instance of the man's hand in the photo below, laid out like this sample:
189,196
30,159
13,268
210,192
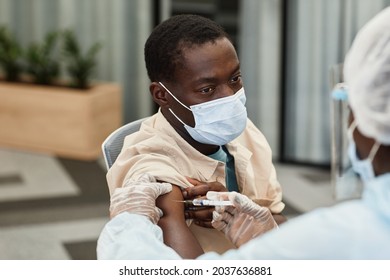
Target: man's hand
202,216
139,197
243,221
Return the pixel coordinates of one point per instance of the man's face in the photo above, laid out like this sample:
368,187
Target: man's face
210,71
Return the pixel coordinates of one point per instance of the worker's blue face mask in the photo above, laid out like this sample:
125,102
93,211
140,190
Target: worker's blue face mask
217,122
363,167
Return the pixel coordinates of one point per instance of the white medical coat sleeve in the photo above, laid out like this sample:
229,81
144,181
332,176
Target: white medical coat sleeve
130,236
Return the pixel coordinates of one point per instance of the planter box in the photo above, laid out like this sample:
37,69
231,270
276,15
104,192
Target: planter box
60,121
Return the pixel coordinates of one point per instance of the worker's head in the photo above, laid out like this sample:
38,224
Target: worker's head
190,61
367,74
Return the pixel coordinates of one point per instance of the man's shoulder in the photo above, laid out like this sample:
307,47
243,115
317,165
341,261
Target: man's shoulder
251,133
154,128
252,128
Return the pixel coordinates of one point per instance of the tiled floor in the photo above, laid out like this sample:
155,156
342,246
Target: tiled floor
52,208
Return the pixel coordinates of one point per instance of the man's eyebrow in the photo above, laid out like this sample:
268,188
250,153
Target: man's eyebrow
213,79
203,80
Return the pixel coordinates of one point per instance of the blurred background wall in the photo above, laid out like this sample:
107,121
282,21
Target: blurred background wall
286,50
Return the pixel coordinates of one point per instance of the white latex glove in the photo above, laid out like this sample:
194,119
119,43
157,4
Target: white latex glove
139,197
243,221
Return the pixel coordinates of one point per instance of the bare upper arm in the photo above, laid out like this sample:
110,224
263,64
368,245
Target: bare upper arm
175,230
279,218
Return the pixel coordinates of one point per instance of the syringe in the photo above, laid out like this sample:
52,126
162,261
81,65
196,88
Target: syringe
206,202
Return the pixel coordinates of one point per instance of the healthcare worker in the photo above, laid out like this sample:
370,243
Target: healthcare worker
356,229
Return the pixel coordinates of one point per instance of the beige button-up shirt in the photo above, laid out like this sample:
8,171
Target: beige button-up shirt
159,150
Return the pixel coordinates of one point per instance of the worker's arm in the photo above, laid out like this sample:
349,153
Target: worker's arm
244,220
176,233
131,236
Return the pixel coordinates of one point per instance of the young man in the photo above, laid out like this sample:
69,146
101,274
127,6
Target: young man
201,138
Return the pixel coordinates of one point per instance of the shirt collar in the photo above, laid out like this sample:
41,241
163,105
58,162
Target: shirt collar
206,165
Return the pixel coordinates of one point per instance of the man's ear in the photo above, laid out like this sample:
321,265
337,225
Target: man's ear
159,94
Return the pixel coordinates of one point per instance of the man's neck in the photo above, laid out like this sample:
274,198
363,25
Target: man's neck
205,149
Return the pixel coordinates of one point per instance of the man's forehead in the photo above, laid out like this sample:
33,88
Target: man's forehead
205,62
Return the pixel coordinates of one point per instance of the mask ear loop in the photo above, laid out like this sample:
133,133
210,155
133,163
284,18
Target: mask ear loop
351,129
174,97
373,151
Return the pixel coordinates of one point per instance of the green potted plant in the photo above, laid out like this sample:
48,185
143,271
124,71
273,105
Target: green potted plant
67,119
79,66
10,55
42,60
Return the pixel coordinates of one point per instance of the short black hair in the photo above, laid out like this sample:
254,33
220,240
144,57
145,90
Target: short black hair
163,48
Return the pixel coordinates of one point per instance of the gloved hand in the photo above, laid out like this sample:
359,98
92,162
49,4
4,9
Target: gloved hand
243,221
139,197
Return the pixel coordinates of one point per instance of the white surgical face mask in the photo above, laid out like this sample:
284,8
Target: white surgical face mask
348,185
217,122
363,167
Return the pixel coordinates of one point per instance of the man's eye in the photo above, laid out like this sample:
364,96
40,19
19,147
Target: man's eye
235,79
206,90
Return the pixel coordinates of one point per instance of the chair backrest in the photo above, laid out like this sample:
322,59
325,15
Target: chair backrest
113,144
